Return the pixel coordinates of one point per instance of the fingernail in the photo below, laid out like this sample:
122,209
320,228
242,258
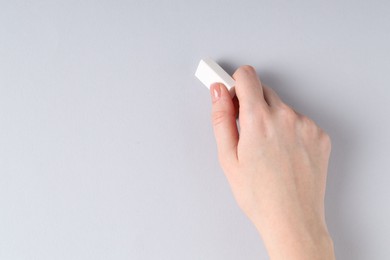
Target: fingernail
215,91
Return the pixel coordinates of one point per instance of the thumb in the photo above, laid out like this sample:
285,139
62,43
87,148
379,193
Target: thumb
224,123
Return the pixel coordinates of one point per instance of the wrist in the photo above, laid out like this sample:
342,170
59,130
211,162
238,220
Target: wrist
285,241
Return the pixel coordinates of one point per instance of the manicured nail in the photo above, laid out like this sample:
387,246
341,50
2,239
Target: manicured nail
215,91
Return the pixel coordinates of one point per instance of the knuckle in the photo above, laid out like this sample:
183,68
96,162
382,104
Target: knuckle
219,117
307,121
308,124
325,140
287,112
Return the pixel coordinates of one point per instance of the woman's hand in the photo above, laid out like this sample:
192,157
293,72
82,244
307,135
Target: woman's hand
276,166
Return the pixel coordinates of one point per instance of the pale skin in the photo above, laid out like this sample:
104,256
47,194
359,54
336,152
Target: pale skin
276,166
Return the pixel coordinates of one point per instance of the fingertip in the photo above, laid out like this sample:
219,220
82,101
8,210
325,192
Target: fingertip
245,69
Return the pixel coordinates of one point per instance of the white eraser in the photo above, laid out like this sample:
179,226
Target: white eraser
209,72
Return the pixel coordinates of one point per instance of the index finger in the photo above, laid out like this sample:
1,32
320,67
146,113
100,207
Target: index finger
248,88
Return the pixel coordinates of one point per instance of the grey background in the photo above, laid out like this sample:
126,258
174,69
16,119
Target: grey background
106,147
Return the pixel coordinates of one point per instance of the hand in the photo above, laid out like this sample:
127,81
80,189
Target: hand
276,167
